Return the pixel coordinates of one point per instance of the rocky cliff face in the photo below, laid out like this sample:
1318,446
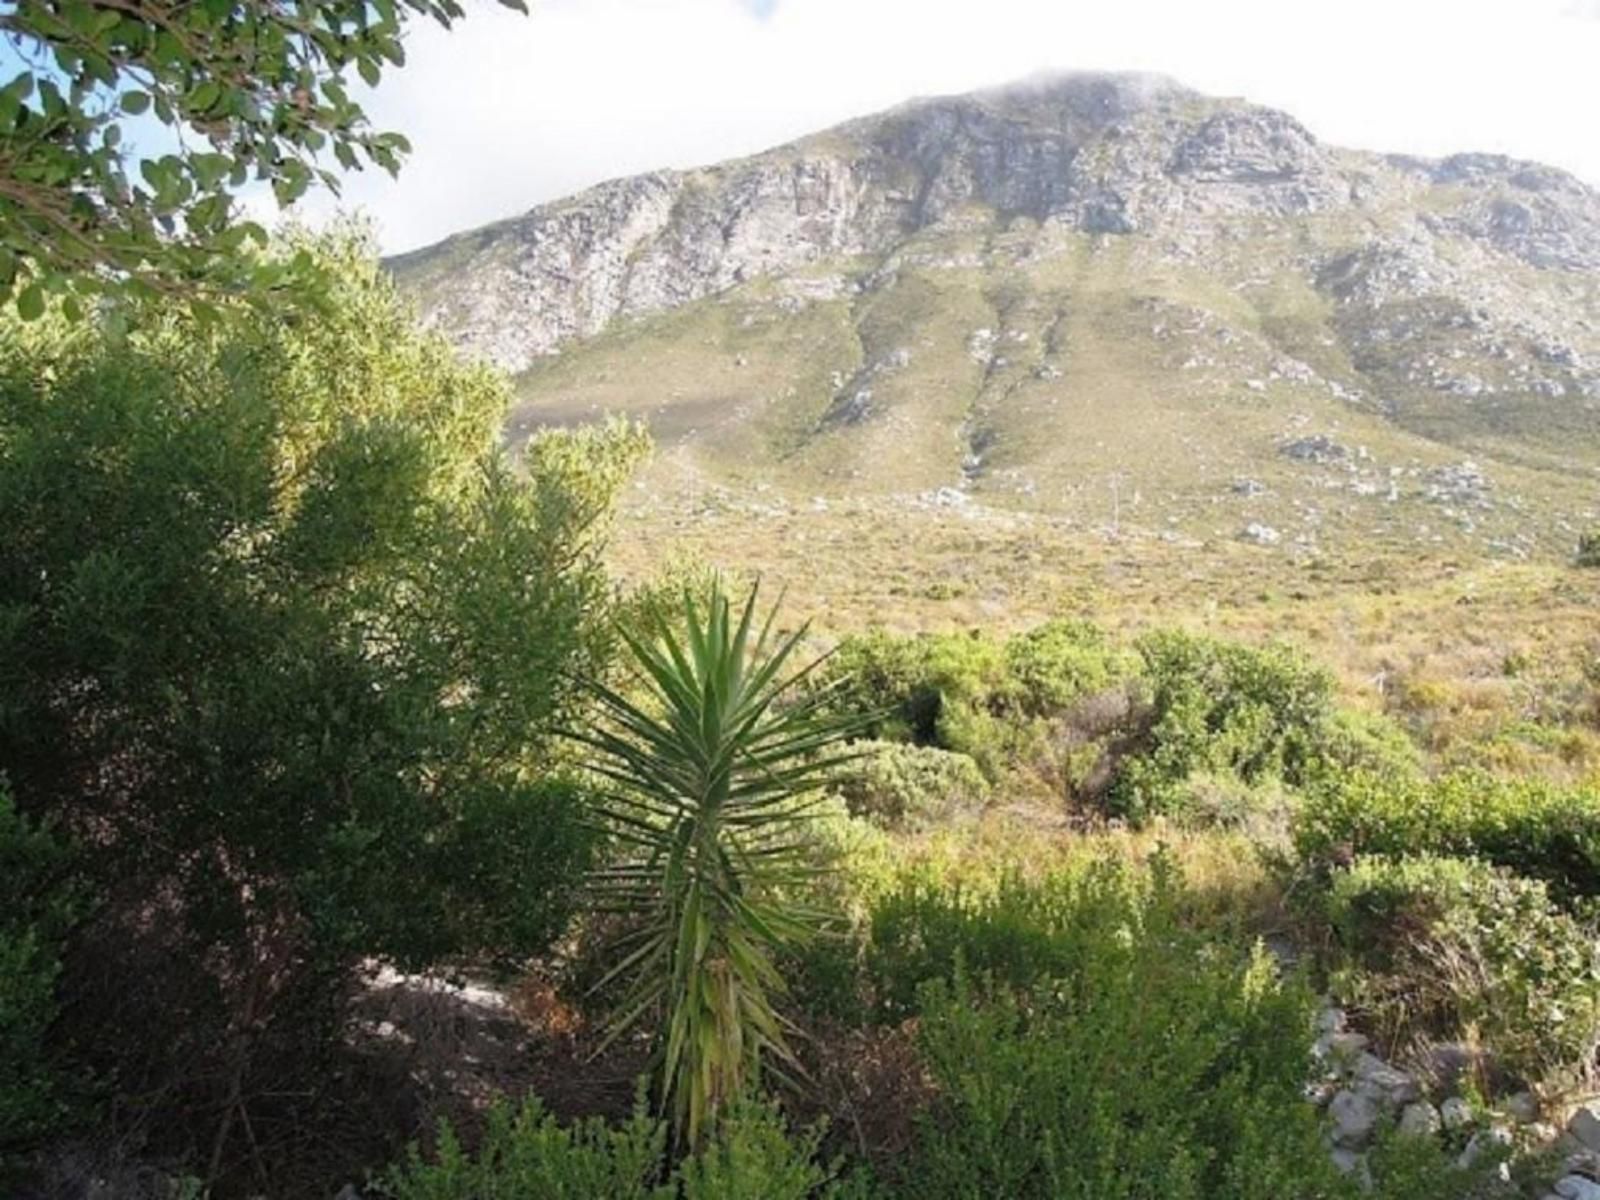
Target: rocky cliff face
948,281
1115,155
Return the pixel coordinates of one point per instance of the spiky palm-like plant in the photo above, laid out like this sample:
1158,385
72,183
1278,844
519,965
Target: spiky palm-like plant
712,769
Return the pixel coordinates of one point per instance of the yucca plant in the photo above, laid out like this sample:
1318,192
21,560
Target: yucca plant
714,762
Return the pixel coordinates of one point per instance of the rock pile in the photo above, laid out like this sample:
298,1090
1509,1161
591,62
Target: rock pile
1362,1095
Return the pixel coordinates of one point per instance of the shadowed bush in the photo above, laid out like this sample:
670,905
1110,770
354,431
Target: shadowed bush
1443,948
35,912
283,640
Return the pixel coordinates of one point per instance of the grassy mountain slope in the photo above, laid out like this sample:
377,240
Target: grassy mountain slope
1105,300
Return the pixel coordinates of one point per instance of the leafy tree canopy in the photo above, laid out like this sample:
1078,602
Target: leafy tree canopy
127,125
284,634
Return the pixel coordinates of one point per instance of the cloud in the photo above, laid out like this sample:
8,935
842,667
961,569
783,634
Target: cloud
508,111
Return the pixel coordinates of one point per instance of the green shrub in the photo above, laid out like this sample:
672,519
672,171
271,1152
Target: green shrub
1126,1054
1092,722
1535,828
1020,933
753,1157
1150,1061
1444,947
35,908
1002,702
904,786
282,626
1056,664
526,1154
1588,554
1226,709
1351,740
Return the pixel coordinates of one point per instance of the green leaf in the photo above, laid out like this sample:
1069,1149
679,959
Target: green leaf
204,97
30,304
135,103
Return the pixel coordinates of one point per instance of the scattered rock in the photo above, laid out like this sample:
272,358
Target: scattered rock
1521,1107
1456,1113
1354,1116
1384,1083
1584,1125
1318,448
1340,1045
1420,1119
1460,483
1577,1187
1261,535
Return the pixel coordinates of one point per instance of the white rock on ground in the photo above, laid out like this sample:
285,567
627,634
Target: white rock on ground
1577,1187
1354,1115
1456,1113
1420,1119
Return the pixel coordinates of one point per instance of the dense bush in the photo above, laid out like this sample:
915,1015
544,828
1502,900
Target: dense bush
284,638
902,786
1018,934
1225,709
526,1154
1185,726
1001,702
1146,1061
35,907
1144,1080
1443,947
1535,828
1110,1049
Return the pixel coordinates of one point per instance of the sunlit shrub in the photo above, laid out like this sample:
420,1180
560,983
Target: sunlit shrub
1535,828
1227,709
904,786
1144,1060
525,1153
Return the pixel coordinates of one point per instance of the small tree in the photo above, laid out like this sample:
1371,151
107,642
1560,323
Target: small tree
711,770
283,645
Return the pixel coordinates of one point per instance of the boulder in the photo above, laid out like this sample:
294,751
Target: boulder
1456,1113
1385,1083
1584,1125
1577,1187
1354,1116
1522,1107
1420,1119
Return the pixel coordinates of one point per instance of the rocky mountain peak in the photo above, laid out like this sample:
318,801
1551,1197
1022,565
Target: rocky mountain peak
981,294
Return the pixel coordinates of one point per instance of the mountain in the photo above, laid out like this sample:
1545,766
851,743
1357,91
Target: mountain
1100,298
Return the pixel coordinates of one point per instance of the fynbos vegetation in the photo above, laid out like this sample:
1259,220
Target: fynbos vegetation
389,806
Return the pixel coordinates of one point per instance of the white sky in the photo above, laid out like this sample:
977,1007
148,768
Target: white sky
508,111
